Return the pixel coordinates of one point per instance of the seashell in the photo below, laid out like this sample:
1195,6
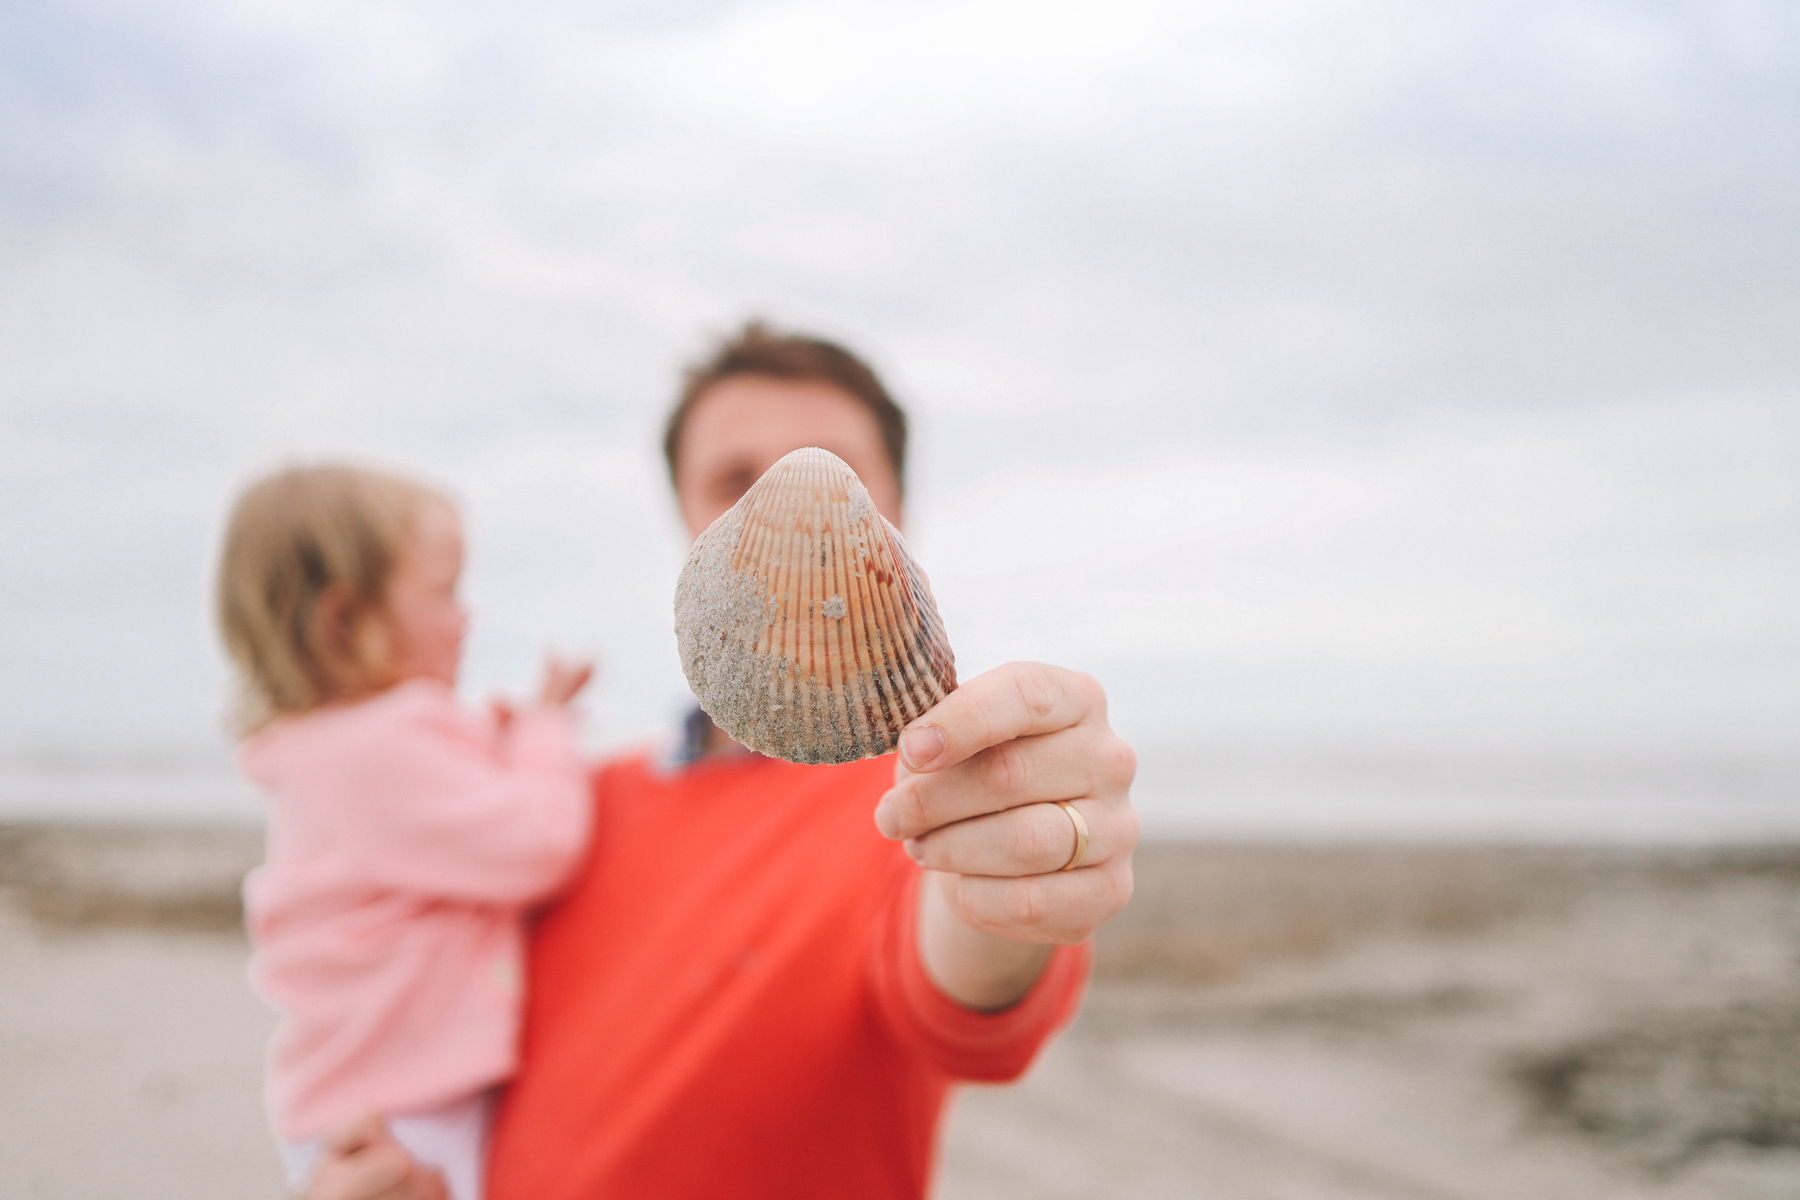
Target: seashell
805,628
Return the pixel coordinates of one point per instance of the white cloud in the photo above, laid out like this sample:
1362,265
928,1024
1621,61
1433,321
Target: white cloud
1451,543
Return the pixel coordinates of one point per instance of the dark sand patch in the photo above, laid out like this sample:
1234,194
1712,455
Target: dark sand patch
1673,1086
133,877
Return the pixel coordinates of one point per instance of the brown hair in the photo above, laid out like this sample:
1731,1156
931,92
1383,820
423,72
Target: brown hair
307,557
757,349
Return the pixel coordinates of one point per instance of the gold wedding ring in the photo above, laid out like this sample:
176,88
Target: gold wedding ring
1081,835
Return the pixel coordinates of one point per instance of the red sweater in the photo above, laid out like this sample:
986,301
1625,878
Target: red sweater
729,1002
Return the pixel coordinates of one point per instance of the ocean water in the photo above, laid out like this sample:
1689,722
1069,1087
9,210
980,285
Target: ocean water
124,783
1571,795
1266,791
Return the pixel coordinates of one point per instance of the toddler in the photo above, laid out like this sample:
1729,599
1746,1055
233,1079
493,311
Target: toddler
408,835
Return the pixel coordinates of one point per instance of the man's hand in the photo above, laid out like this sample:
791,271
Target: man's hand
364,1162
973,799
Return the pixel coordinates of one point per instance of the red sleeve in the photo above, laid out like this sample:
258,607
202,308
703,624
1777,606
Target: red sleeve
960,1042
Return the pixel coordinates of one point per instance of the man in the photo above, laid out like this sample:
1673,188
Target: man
749,991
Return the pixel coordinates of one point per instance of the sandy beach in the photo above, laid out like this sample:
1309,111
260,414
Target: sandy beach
1277,1022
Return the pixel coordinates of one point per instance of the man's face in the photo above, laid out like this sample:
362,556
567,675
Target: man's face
744,423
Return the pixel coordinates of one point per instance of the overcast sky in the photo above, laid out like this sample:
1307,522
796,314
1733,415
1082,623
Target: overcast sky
1305,370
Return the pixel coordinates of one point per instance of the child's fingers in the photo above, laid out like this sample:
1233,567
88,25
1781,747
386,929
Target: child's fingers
427,1184
363,1162
361,1133
576,668
564,678
375,1173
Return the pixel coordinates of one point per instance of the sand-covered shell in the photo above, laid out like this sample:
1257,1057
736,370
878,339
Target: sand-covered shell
805,628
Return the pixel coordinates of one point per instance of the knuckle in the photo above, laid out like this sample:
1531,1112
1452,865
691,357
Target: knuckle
1116,888
910,808
1108,893
1035,840
981,719
1090,690
1006,769
1023,904
1036,688
1128,827
1121,761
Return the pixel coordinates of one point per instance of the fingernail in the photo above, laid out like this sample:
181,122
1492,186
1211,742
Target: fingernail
920,746
885,820
914,851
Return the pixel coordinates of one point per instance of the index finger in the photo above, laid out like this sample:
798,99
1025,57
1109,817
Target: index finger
1013,701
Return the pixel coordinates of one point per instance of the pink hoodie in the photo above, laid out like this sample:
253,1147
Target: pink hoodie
407,838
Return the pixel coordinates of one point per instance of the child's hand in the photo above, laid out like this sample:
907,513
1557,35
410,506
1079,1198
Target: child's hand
364,1162
563,679
503,711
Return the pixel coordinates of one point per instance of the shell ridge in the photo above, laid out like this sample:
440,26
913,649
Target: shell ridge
797,549
767,637
780,538
935,647
749,557
850,632
754,553
900,673
828,733
841,653
932,646
871,619
837,667
818,656
867,614
781,689
909,679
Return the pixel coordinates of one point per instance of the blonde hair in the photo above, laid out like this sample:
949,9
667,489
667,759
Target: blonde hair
307,557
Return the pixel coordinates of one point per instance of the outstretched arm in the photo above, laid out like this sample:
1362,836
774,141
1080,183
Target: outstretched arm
974,799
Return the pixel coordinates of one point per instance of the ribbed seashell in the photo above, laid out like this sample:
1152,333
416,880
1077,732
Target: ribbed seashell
805,628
